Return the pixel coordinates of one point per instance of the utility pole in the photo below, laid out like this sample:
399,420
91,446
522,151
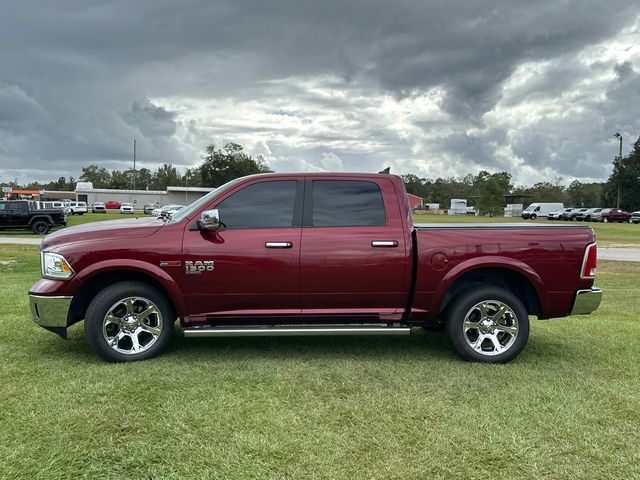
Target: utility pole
134,163
619,137
186,187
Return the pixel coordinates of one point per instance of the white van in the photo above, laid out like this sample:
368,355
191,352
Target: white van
542,210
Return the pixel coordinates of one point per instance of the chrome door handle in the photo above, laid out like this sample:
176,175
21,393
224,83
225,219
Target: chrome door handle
278,244
384,243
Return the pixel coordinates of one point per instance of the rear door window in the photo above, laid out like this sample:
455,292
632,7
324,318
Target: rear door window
346,203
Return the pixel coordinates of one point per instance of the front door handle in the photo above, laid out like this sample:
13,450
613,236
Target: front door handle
278,244
384,243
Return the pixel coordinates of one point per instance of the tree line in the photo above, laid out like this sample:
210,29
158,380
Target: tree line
486,191
219,165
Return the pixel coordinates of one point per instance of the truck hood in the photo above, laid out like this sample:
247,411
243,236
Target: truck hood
130,227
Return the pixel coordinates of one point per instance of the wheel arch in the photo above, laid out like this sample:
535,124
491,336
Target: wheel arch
37,218
100,278
518,279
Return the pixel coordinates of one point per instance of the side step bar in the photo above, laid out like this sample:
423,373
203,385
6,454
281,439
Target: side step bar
292,331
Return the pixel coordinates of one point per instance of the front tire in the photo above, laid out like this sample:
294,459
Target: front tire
605,220
40,227
128,321
488,325
533,217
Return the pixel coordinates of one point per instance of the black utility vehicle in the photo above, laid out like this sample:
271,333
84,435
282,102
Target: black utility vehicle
22,214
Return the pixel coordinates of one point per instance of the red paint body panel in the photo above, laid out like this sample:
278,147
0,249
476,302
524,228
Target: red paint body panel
329,273
340,269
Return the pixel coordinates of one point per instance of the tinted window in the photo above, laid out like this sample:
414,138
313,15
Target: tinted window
17,207
342,203
261,205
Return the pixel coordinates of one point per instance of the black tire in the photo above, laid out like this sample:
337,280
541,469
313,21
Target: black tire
464,305
40,227
533,216
111,296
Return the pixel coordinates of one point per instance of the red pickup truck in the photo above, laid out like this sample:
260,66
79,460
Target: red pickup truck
310,254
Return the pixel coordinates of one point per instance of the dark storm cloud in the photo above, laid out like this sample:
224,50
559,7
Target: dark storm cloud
79,80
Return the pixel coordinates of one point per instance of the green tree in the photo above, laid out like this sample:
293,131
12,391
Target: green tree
165,176
490,190
585,194
98,176
415,185
222,165
625,181
143,177
120,180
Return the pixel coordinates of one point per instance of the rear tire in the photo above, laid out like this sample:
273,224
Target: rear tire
488,325
129,321
40,227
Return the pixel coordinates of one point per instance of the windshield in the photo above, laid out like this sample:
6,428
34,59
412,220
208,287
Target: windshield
530,207
188,210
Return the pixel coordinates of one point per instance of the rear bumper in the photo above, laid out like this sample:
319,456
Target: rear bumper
586,301
50,312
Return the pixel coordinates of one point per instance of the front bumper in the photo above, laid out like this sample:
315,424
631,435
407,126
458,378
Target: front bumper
50,312
586,301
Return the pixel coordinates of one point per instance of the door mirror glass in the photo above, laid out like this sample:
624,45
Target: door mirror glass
209,220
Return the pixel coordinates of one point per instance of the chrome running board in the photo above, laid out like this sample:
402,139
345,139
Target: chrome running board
291,331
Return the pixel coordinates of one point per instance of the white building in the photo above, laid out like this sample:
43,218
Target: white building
513,210
458,206
173,195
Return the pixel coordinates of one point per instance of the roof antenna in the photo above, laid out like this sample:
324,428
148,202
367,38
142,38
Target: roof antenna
386,170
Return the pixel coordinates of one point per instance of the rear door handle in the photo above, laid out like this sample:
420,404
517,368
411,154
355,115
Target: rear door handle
278,244
384,243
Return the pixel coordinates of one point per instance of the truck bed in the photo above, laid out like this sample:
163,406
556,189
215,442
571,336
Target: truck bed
546,257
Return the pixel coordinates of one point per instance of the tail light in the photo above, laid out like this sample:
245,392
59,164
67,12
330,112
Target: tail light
589,262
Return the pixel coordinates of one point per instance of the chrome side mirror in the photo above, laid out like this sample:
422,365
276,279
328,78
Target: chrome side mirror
209,220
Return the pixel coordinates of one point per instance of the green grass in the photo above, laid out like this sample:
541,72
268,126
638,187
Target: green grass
77,220
608,234
380,407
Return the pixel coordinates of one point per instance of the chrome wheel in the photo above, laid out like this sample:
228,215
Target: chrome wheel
490,327
132,325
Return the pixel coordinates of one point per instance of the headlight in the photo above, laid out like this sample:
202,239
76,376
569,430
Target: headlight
55,266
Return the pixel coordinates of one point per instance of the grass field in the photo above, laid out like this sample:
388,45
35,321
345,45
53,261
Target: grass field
77,220
608,234
343,408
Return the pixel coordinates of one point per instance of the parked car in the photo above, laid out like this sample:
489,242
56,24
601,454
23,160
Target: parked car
77,208
541,210
169,212
573,214
158,211
56,204
126,208
564,214
148,208
21,215
635,217
556,215
99,207
586,215
112,205
615,215
253,258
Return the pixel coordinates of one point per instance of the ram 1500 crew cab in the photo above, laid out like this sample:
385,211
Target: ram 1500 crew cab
310,254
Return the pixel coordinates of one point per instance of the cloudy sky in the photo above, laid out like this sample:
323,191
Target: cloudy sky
428,87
